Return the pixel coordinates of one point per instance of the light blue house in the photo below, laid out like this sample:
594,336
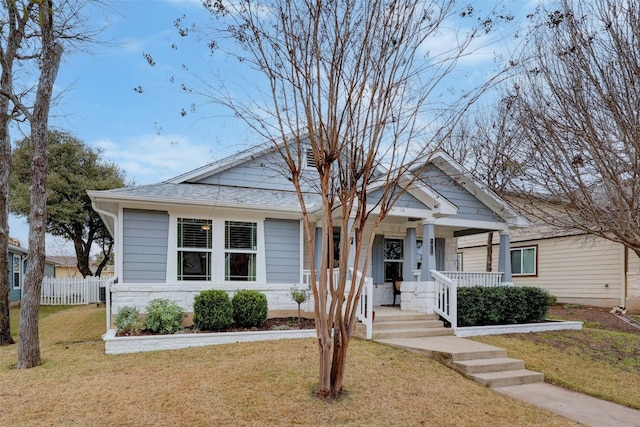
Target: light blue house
236,224
18,268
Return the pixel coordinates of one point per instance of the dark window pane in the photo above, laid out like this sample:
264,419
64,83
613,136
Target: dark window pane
240,266
194,265
393,249
392,270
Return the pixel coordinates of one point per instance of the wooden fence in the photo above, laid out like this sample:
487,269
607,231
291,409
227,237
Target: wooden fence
73,291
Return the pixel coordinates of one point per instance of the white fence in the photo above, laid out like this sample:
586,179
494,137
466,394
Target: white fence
72,291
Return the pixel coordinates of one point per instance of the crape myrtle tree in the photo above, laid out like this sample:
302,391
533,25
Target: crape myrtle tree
74,168
491,145
577,101
354,85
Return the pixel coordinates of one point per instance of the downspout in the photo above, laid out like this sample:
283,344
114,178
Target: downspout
107,290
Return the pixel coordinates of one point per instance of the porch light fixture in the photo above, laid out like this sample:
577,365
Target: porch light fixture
206,227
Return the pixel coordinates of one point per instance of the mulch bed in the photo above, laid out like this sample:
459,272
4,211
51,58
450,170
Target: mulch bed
594,317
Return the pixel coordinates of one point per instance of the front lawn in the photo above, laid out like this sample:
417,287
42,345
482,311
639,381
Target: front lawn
262,383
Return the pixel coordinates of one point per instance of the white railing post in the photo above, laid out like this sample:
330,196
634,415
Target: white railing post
446,297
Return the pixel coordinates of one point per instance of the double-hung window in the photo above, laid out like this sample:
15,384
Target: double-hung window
195,237
17,271
393,257
241,249
523,261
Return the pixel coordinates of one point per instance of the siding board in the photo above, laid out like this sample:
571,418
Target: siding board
145,240
282,243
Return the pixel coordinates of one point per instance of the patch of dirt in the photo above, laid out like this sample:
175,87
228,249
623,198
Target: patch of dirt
593,317
621,351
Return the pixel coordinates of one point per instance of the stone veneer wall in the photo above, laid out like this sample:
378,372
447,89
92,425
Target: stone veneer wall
418,297
138,295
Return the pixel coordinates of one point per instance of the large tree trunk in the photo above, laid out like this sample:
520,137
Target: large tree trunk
29,341
5,166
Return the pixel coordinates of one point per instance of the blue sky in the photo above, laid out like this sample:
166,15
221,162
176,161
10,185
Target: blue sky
144,133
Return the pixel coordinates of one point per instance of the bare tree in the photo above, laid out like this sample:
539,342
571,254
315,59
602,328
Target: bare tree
490,144
33,32
14,22
577,103
349,86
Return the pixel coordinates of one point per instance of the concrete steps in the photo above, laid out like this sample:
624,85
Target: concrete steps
480,362
398,324
497,372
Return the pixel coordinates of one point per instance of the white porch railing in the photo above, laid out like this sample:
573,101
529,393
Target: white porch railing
446,304
306,275
475,279
364,311
365,305
72,291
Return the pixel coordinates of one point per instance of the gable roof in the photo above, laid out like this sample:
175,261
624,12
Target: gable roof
196,188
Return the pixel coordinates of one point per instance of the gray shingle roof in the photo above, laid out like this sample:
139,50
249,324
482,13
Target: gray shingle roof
213,195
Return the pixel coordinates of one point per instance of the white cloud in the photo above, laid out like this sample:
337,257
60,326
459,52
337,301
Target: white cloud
154,158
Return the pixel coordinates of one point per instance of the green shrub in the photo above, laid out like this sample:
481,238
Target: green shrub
128,320
163,316
501,305
249,308
212,310
538,300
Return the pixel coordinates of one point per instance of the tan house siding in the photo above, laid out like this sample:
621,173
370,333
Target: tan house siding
576,269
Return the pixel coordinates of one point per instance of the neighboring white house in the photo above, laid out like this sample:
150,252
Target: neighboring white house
574,266
236,224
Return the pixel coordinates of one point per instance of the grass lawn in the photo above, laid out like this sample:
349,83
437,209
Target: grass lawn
598,362
264,383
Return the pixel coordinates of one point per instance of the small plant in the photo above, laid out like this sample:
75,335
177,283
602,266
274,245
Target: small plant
250,308
212,310
128,320
163,316
299,296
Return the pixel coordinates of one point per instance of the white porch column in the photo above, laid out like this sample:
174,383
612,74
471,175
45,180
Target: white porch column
428,250
504,256
352,247
410,256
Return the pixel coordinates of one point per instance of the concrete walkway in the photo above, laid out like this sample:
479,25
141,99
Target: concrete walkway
577,407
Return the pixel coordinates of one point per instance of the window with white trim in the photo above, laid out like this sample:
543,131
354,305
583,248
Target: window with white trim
524,261
309,161
17,271
195,246
241,250
393,258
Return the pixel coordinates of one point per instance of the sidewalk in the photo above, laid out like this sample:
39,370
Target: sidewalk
574,406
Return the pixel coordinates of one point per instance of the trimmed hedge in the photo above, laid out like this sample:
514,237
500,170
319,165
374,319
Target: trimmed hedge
212,310
501,305
249,308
